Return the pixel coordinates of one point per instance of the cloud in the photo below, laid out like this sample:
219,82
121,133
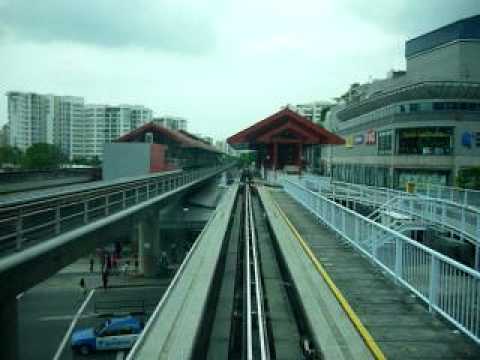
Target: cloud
411,17
170,25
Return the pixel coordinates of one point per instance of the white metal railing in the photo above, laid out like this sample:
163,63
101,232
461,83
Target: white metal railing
23,224
458,218
448,287
467,197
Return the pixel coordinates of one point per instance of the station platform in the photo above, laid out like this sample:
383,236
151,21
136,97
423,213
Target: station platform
398,322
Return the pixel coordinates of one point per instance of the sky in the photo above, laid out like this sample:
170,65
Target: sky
222,64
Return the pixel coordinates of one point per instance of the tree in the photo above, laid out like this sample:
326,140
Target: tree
10,155
43,156
469,178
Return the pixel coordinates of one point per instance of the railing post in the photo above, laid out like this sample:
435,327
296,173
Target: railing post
356,235
58,220
477,257
136,195
107,203
124,199
85,212
434,281
398,258
19,228
374,241
477,246
444,212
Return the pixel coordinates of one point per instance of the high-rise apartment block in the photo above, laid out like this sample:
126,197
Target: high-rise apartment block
79,130
36,118
105,123
171,122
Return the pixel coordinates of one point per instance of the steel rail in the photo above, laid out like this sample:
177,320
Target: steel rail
248,280
253,261
258,288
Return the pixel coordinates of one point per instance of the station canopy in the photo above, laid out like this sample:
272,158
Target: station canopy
284,127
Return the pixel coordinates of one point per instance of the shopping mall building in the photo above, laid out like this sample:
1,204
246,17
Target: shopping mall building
420,125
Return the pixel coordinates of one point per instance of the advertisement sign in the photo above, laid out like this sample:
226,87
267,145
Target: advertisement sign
371,137
359,139
349,141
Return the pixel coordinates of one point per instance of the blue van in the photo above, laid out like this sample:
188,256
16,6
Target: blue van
113,334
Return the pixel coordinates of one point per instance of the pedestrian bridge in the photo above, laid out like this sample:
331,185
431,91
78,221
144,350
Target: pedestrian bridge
457,216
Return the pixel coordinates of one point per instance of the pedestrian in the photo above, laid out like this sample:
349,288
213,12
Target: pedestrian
91,263
82,286
173,253
105,280
136,264
163,263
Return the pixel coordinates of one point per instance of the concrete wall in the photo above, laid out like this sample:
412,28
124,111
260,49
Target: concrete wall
126,159
457,61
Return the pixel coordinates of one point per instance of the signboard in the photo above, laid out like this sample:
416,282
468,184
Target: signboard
359,139
349,141
371,137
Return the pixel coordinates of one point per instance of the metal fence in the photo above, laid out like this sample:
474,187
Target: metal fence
448,287
462,220
462,196
25,224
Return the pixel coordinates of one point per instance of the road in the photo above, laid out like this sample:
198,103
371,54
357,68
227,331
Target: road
46,311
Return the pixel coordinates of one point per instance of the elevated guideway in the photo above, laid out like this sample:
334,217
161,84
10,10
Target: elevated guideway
42,232
247,290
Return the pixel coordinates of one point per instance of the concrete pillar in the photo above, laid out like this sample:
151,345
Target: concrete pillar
275,155
9,329
477,257
148,234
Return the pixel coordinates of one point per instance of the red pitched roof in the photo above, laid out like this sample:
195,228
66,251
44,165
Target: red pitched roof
255,131
181,137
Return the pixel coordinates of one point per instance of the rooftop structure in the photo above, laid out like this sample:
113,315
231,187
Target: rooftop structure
283,139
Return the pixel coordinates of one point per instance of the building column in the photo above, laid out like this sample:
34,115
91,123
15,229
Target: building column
275,155
9,330
477,257
148,233
300,155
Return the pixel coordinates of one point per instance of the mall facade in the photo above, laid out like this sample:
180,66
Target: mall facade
420,125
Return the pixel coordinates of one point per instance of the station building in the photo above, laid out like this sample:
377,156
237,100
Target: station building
420,125
154,148
283,140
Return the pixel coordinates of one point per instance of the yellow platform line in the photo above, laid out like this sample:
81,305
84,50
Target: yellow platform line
362,330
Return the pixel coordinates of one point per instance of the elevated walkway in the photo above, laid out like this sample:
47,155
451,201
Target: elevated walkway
399,322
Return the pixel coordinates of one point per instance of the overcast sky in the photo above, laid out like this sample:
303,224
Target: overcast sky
221,64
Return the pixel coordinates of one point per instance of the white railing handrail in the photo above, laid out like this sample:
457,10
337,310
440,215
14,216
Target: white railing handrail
86,206
467,223
427,273
393,233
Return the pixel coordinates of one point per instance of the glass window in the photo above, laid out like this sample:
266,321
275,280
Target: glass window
414,107
425,141
385,142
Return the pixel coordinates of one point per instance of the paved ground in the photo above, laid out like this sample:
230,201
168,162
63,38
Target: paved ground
400,323
46,311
